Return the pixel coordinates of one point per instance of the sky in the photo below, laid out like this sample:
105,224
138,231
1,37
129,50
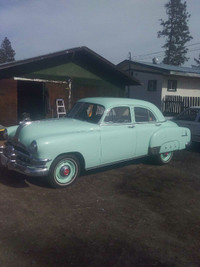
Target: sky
111,28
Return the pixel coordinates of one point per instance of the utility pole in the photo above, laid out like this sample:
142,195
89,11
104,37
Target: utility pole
129,72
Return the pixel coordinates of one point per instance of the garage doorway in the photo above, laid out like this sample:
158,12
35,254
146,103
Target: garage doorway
31,99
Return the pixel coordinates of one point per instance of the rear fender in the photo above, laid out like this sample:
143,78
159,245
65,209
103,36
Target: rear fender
169,139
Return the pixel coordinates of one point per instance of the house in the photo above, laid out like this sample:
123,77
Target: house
33,85
159,81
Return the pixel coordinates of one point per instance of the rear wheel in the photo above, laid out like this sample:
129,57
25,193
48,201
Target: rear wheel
164,158
64,171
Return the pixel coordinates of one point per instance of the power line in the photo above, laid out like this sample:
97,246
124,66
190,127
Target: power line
192,44
158,52
194,50
149,54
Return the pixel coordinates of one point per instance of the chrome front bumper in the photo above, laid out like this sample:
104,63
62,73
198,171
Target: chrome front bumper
10,158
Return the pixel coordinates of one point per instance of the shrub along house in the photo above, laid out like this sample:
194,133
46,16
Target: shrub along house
161,83
33,85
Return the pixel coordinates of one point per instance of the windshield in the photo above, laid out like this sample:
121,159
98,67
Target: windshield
86,112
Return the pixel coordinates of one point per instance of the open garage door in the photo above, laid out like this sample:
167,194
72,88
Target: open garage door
31,99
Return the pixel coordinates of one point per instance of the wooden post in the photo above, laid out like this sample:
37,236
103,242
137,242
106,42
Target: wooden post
70,94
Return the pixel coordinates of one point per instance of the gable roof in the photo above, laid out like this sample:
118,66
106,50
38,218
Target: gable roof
163,68
82,56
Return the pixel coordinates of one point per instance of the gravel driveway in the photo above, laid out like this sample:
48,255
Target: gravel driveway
136,214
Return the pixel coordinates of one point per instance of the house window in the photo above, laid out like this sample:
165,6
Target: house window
152,85
172,85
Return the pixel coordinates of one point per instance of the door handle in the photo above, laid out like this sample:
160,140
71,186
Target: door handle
131,126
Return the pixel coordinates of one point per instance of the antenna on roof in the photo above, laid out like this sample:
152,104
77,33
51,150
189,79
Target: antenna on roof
129,56
155,60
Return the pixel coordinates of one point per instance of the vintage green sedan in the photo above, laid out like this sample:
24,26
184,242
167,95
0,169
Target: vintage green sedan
96,132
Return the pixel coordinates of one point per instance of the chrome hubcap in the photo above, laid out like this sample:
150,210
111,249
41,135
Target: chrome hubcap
166,156
65,171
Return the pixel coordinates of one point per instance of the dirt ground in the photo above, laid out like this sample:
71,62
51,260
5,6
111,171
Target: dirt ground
136,214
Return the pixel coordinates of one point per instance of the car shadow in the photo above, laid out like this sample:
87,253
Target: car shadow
194,147
43,181
40,181
145,160
18,180
12,179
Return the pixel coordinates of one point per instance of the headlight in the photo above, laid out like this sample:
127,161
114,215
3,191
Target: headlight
5,134
33,147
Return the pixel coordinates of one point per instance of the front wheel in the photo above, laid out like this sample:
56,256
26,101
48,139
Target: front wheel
64,171
164,158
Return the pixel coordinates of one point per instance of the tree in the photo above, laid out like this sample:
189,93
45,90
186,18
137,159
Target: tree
7,54
176,31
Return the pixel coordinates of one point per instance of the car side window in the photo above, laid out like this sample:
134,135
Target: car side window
143,115
86,112
118,115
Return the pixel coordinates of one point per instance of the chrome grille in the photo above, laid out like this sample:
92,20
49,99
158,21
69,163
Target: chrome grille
17,153
21,150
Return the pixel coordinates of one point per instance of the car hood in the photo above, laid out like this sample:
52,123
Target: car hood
29,131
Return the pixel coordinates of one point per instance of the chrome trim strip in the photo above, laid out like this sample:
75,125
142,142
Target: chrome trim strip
114,163
22,125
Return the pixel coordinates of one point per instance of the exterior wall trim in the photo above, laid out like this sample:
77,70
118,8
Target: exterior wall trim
39,80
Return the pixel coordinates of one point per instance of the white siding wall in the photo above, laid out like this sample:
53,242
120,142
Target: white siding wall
186,86
141,92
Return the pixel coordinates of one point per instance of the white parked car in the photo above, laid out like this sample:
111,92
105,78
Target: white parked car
190,118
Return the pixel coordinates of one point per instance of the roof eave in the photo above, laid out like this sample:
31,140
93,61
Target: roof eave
186,74
127,80
161,70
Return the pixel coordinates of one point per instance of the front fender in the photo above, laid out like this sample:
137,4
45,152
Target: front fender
87,144
169,139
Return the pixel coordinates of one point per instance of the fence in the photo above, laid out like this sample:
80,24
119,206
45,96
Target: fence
174,104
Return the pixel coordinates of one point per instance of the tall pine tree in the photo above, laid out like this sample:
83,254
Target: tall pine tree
176,32
7,54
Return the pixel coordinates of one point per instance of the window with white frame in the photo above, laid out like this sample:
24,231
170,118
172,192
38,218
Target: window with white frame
172,85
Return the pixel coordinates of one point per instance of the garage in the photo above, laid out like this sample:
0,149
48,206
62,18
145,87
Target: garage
33,85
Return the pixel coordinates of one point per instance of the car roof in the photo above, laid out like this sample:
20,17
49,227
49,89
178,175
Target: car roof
109,102
112,101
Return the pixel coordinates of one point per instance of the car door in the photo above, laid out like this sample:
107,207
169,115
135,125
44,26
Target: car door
145,125
118,135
